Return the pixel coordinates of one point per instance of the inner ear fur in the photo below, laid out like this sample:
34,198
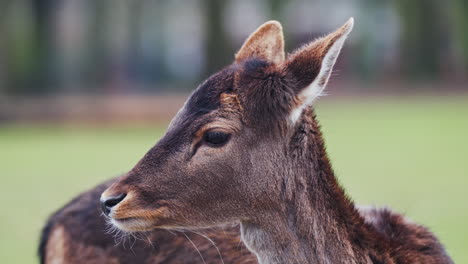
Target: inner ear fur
267,43
316,59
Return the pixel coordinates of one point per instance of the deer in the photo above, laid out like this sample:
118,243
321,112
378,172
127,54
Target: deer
78,233
247,148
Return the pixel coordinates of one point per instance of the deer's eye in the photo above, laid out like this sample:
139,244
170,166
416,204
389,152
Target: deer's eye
216,138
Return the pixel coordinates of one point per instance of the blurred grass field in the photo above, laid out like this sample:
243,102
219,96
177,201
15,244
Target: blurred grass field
407,153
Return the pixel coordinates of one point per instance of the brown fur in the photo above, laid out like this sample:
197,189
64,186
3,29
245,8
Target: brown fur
77,233
272,174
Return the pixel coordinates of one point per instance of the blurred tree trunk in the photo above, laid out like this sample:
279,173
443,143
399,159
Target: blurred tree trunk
136,11
5,79
276,7
41,80
460,11
422,38
218,51
135,59
97,63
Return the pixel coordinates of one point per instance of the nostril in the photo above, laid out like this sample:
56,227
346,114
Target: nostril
110,202
113,201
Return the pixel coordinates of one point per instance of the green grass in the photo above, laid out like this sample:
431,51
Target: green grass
410,154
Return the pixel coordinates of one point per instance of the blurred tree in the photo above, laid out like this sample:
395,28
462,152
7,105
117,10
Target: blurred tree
17,48
460,11
43,13
422,38
366,64
276,8
96,70
135,58
218,50
4,80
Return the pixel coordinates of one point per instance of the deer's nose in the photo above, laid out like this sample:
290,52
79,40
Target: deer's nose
108,202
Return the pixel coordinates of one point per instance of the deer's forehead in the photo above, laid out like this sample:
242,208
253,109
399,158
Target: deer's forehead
209,97
223,94
220,90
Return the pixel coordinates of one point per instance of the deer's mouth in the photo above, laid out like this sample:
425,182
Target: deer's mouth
125,219
140,220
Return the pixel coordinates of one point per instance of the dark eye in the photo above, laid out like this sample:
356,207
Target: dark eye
216,138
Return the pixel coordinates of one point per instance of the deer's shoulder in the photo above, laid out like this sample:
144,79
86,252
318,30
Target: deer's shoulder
413,239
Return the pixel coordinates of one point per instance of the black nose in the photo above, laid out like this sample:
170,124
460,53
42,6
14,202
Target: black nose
109,202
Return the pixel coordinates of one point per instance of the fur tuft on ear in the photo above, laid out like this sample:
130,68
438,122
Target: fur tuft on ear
267,43
312,65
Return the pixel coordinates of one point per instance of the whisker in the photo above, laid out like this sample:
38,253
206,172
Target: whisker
212,242
195,246
148,239
120,236
134,241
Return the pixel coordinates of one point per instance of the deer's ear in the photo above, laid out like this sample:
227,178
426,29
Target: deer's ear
312,65
267,42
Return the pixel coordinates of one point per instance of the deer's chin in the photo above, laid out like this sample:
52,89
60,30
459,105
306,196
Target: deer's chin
132,224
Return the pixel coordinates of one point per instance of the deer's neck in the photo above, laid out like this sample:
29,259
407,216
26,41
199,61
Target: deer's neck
317,223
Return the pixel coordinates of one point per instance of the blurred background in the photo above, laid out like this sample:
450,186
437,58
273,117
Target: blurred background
87,86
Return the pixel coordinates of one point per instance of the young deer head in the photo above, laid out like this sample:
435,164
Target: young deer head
229,152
